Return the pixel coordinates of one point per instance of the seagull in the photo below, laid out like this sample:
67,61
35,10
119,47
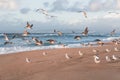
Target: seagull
67,56
107,50
45,12
95,51
7,40
44,53
59,33
37,42
40,9
77,37
114,57
116,49
6,37
51,41
29,26
100,43
84,13
85,31
80,53
107,59
28,60
96,59
25,33
113,32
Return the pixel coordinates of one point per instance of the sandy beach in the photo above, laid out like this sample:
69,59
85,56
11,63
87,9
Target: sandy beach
54,66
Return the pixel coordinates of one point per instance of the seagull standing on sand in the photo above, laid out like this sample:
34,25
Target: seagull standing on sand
107,50
107,59
67,56
96,59
95,51
28,60
116,49
114,57
44,53
80,53
29,26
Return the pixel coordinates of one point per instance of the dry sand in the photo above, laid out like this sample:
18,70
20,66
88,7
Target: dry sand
54,65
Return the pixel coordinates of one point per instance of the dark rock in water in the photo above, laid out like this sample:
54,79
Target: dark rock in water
97,40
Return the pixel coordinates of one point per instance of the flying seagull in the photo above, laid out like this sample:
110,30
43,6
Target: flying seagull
85,31
84,13
29,26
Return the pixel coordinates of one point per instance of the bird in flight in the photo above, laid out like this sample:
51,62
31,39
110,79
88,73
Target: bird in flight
85,31
29,26
84,13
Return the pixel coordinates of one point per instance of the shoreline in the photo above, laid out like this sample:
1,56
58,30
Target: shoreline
54,66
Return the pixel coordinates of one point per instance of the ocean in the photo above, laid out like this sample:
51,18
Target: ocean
20,44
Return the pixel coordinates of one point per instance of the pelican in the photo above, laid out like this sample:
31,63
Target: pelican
25,33
67,56
77,37
107,50
107,59
80,53
85,31
96,59
51,41
116,49
28,60
29,26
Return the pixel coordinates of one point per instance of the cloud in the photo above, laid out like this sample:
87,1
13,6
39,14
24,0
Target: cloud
92,5
60,5
103,5
8,4
25,10
46,4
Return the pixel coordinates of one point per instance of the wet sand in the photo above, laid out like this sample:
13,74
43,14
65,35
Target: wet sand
54,65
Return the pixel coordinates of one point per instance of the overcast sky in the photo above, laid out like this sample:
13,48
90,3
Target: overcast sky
15,13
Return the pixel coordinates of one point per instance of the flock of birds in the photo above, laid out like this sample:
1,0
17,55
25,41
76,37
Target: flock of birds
52,41
38,42
96,57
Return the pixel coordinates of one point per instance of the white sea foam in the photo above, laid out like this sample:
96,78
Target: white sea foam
111,38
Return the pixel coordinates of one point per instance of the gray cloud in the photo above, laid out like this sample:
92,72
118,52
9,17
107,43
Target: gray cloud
60,5
25,10
46,4
93,5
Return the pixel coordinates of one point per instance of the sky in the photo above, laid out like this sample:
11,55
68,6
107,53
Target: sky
14,15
